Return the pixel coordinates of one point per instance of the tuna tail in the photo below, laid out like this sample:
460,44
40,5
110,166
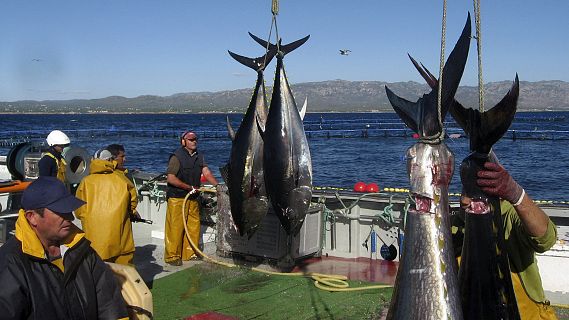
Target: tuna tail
486,128
258,64
282,49
424,111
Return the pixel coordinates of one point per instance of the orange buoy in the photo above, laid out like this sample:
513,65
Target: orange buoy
360,187
415,136
372,187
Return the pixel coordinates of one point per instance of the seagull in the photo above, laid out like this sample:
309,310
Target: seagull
345,52
37,60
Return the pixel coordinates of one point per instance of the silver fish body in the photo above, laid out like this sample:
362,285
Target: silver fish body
426,286
244,174
286,156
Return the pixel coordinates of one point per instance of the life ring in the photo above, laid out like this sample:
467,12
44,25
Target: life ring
78,161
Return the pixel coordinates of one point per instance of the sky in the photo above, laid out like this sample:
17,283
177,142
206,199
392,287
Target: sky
79,49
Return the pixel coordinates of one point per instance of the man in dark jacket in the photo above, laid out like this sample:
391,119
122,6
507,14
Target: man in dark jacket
49,270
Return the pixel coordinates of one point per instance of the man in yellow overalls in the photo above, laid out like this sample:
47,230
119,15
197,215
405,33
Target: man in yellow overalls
185,167
52,163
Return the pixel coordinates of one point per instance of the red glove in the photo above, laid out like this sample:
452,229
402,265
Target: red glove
496,181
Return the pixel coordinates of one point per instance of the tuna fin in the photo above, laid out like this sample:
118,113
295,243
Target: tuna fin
408,111
429,78
284,49
485,129
230,130
422,115
257,64
224,171
260,126
454,67
303,110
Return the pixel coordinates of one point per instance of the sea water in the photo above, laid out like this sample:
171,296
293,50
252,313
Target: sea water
345,147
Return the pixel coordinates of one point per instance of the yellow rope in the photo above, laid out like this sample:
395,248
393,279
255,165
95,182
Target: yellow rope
321,281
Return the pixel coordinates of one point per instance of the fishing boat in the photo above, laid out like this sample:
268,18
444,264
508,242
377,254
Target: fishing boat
359,234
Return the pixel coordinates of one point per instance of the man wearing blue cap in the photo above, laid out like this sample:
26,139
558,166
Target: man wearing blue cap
49,270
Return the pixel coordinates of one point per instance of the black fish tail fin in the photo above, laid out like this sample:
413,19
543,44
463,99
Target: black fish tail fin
422,112
257,64
454,67
408,111
284,49
485,129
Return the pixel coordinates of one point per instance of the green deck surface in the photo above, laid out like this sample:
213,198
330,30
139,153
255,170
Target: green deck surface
245,294
252,295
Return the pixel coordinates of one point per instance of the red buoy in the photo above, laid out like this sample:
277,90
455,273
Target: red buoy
360,187
415,136
203,179
372,187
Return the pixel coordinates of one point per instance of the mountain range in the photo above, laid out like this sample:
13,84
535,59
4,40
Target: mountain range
325,96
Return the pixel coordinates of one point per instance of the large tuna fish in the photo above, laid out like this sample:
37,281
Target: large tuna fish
243,174
286,155
426,286
484,274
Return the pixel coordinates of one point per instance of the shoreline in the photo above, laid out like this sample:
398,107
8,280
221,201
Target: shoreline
221,112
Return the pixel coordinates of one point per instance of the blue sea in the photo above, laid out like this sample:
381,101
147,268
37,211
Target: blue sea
345,147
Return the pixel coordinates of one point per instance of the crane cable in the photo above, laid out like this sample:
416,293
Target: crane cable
479,49
274,12
322,281
439,136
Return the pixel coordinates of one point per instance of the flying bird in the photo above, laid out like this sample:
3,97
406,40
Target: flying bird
345,52
37,60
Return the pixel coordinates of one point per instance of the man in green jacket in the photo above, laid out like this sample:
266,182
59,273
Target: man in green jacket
49,270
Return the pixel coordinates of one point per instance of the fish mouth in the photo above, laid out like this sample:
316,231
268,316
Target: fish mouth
423,204
478,206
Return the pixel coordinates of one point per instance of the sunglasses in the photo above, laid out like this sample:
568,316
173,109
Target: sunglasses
192,139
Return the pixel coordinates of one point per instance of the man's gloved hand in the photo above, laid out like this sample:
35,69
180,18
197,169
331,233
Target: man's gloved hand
192,190
496,181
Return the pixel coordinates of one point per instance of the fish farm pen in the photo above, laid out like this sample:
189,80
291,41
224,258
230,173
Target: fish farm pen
346,129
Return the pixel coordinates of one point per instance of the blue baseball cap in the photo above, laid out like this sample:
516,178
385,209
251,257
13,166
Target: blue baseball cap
51,193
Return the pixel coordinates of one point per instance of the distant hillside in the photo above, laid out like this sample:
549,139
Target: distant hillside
326,96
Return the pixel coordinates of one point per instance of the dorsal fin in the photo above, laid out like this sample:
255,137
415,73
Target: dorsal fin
230,130
303,109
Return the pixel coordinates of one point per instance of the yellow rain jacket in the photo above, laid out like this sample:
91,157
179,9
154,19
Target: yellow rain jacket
111,198
61,166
